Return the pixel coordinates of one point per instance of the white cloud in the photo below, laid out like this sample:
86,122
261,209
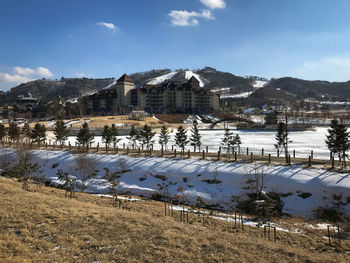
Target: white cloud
331,68
40,71
7,78
43,72
18,75
109,26
185,18
213,4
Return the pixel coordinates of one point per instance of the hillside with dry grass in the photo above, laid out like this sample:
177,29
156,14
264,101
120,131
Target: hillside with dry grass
41,225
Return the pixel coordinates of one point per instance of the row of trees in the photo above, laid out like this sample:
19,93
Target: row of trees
14,132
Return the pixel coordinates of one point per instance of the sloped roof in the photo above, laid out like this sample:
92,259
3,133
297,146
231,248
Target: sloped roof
193,79
125,78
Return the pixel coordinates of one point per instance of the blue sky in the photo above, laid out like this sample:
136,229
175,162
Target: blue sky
309,39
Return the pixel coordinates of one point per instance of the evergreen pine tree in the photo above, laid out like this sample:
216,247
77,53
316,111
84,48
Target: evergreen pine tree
106,136
114,134
181,138
236,143
61,132
13,131
133,136
26,130
195,136
337,140
226,141
38,133
281,137
84,136
146,135
164,137
2,131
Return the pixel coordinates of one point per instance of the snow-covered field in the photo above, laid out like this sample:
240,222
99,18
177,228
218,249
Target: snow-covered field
302,141
191,174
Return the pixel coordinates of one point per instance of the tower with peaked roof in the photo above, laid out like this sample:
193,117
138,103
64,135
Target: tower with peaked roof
124,86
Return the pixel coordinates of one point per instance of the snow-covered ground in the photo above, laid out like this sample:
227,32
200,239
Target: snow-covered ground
303,142
189,74
142,179
236,96
162,78
259,83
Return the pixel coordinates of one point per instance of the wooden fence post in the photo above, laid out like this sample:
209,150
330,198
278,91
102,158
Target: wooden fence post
329,235
247,151
219,155
206,149
175,153
203,154
235,156
309,161
98,146
162,151
262,152
251,156
172,148
312,154
289,159
189,154
269,158
293,154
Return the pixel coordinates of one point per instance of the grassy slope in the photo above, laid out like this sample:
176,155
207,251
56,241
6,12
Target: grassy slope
41,225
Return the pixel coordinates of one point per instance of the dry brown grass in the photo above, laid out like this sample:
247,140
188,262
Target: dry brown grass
41,225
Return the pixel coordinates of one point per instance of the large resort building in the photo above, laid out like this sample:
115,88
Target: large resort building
169,97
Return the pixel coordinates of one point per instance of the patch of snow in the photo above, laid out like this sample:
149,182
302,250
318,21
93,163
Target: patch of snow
259,83
161,79
236,96
189,74
192,118
110,85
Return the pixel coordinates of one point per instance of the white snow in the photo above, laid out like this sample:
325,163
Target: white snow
110,85
162,78
189,74
300,141
259,83
236,96
320,183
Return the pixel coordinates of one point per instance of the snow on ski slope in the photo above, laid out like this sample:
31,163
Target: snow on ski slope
236,96
162,78
259,83
110,85
320,183
189,74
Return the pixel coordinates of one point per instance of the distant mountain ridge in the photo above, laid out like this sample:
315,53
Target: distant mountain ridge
223,83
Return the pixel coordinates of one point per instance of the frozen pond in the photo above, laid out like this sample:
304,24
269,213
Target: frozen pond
300,141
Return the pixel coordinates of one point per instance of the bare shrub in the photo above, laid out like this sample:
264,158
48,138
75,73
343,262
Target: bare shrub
83,169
